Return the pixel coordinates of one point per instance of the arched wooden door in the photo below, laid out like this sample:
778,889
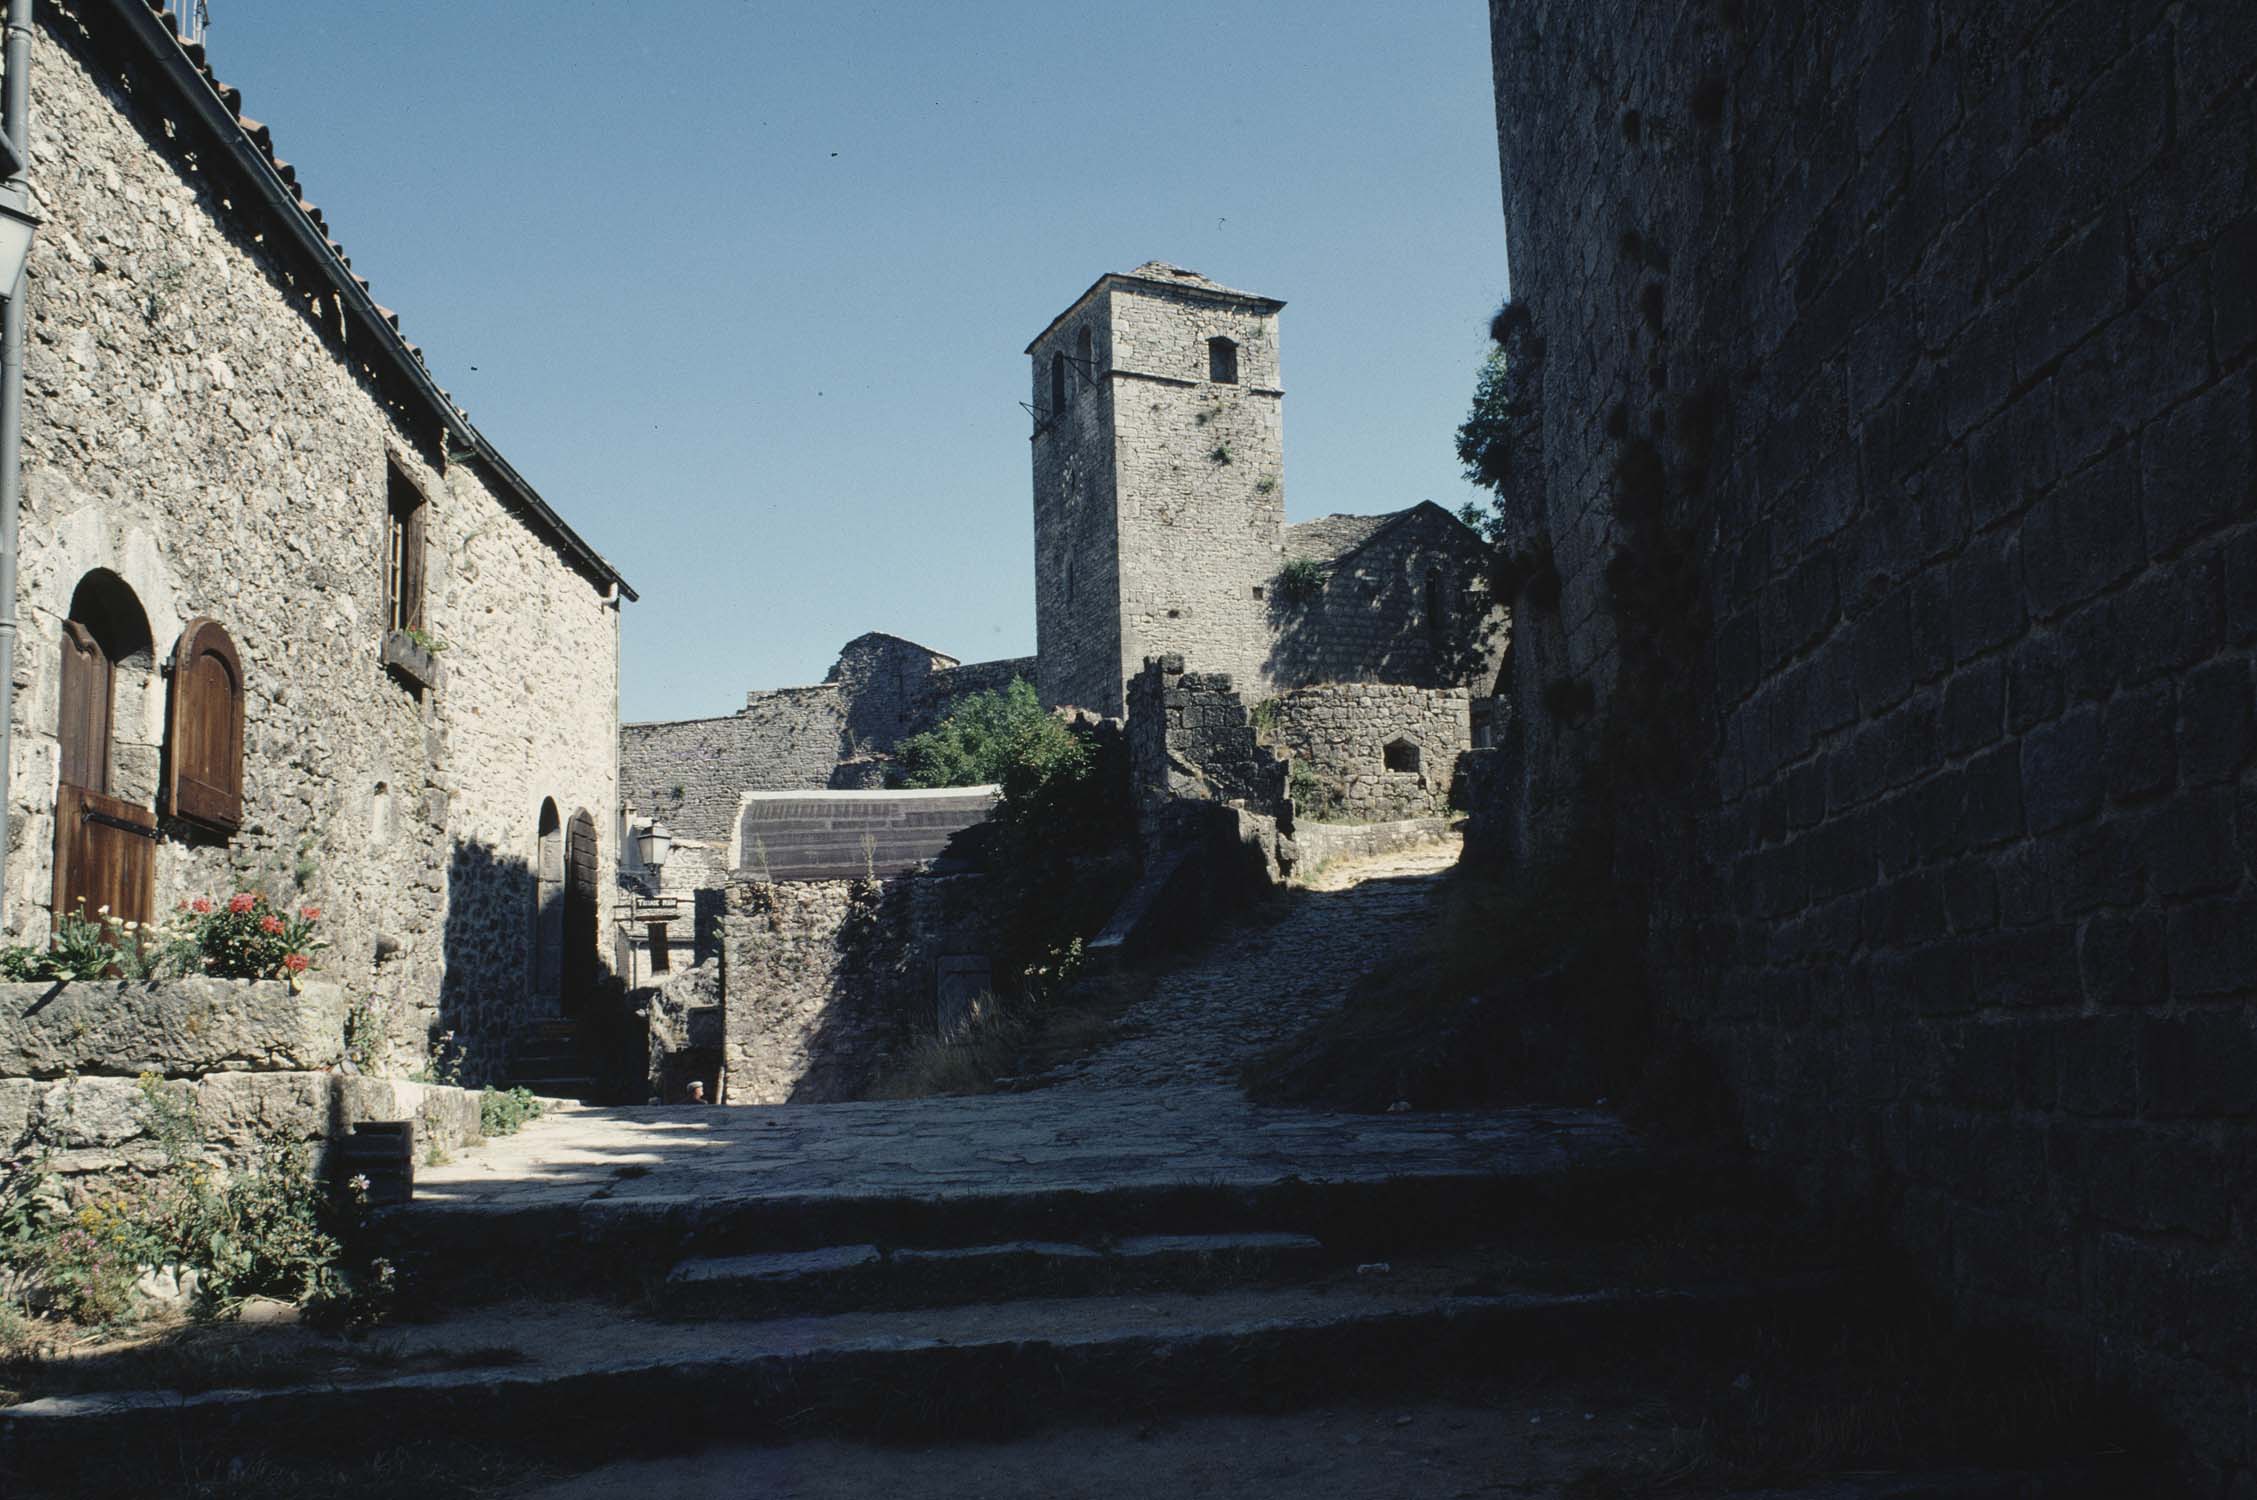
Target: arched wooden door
579,912
105,847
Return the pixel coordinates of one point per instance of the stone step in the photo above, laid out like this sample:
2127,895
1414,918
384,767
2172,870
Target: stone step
587,1383
594,1202
866,1276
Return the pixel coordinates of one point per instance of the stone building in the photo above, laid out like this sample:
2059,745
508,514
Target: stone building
1891,418
287,619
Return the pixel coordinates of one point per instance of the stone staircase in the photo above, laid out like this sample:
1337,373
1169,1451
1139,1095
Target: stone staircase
661,1308
547,1057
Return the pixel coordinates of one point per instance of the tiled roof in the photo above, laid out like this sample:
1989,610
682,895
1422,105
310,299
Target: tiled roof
144,17
1167,275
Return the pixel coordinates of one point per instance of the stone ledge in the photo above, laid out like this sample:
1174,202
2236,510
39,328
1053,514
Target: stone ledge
175,1028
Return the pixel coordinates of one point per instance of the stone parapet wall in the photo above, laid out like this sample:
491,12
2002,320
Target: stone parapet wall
824,980
1898,419
1319,844
85,1130
1342,735
174,1028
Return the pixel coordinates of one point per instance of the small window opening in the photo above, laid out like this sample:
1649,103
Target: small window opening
1257,591
660,960
1402,755
1437,611
403,555
1082,356
1057,382
1222,361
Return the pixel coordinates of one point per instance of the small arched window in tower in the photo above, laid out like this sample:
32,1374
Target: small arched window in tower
1402,755
1057,382
1222,361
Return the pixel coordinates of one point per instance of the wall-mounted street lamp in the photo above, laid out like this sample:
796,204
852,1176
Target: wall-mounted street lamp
16,229
653,844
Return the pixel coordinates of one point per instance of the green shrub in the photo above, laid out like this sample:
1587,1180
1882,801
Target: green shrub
505,1111
1301,580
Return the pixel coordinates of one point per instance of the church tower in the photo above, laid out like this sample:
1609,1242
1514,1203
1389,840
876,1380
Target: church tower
1159,483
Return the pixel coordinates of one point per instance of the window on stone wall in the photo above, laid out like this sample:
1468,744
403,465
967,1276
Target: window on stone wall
1402,755
1222,361
660,960
403,554
1057,382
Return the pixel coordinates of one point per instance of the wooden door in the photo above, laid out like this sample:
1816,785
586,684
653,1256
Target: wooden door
105,848
579,977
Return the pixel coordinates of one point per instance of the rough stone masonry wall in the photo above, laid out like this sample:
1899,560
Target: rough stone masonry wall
691,773
191,430
1191,740
1341,734
825,980
1202,482
1077,584
1930,329
1371,621
254,1059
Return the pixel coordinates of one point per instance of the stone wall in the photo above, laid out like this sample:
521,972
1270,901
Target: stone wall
1411,605
256,1060
1191,740
691,774
1896,443
1320,844
1379,752
196,428
823,981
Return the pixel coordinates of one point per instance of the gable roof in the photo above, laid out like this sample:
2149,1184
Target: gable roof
142,36
1332,539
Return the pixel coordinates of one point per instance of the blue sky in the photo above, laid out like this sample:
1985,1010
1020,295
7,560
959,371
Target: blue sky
742,287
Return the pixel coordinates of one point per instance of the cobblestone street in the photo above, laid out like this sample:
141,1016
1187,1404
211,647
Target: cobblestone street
1260,984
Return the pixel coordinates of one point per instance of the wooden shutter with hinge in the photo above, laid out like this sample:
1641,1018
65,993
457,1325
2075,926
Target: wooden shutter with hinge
204,731
84,724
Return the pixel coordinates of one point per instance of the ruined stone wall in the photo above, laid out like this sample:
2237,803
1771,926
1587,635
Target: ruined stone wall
825,980
191,430
1191,740
1342,735
690,773
1897,442
1375,621
951,685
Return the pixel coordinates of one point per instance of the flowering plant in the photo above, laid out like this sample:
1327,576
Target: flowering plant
246,937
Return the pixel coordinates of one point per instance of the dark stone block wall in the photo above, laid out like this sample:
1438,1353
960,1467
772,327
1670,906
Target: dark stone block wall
1895,429
1409,606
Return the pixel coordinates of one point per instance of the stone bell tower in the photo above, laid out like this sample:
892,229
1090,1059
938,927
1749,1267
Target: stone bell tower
1159,483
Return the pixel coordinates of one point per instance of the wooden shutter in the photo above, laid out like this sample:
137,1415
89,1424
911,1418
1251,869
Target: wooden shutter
84,727
105,855
204,731
411,568
580,873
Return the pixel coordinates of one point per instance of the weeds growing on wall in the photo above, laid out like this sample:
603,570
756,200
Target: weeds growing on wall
268,1229
1301,581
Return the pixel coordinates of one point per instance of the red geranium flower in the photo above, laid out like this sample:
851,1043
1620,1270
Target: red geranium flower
270,923
202,905
295,963
310,913
241,901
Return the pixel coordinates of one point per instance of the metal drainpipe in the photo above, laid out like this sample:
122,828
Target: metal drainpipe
15,118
